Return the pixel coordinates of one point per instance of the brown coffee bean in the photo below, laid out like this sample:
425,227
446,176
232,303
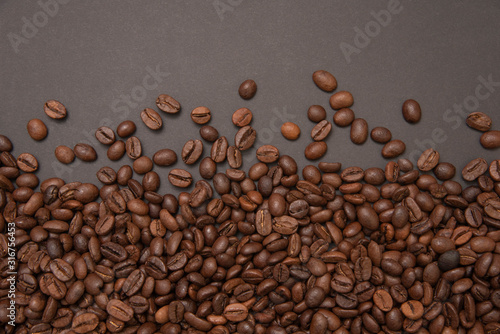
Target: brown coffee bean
285,225
142,165
168,104
268,154
383,300
105,135
315,150
55,109
133,147
218,152
242,117
118,309
321,130
479,121
491,139
342,99
324,80
37,129
180,178
85,152
444,171
84,322
290,131
165,157
126,128
381,135
234,157
343,117
64,154
359,131
474,169
393,149
192,151
428,160
209,133
116,151
247,89
201,115
5,144
27,163
413,309
151,119
316,113
245,138
411,111
235,312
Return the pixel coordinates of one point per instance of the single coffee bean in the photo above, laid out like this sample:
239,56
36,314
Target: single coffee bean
218,152
268,154
315,150
479,121
165,157
55,109
321,130
285,225
235,312
428,160
324,80
151,119
85,152
27,163
474,169
413,309
116,151
491,139
142,165
245,138
209,133
359,131
242,117
37,129
207,168
383,300
126,128
192,151
316,113
343,117
444,171
5,144
168,104
393,149
133,147
118,309
411,111
201,115
84,322
247,89
290,131
342,99
64,154
449,260
234,157
381,135
495,170
105,135
180,178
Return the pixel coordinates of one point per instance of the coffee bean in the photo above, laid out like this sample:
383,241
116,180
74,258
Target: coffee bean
234,157
444,171
242,117
316,113
321,130
393,149
64,154
268,154
165,157
192,151
342,99
207,168
209,133
55,109
118,309
142,165
247,89
133,147
474,169
381,135
428,160
383,300
201,115
491,139
359,131
245,138
116,151
85,322
27,163
324,80
235,312
479,121
412,309
85,152
5,144
411,111
218,152
343,117
37,129
168,104
290,131
126,128
315,150
285,225
449,260
180,178
151,119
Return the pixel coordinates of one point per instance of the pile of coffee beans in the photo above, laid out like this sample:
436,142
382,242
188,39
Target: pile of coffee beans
270,249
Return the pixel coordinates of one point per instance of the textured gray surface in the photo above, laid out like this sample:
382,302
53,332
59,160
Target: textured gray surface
90,54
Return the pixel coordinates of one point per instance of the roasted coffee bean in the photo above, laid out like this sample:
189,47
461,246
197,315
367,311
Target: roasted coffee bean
393,149
192,151
85,322
165,157
37,129
316,113
151,119
491,139
64,154
479,121
359,131
5,144
290,131
381,135
412,309
218,152
324,80
209,133
234,157
168,104
247,89
201,115
105,135
268,154
444,171
118,309
428,160
411,111
474,169
125,129
85,152
116,151
235,312
180,178
315,150
245,138
27,163
321,130
133,147
55,109
242,117
342,99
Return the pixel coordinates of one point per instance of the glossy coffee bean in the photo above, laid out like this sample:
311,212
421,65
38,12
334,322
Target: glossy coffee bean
324,80
290,131
37,129
412,112
247,89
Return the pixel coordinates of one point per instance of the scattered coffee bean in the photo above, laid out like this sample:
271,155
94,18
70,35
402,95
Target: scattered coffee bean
116,151
315,150
105,135
247,89
290,131
381,135
342,99
428,160
479,121
242,117
85,152
393,149
245,138
27,163
474,169
324,80
5,144
165,157
192,151
359,131
55,109
126,128
64,154
268,154
209,133
133,147
343,117
151,119
201,115
316,113
168,104
321,130
491,139
411,111
180,178
37,129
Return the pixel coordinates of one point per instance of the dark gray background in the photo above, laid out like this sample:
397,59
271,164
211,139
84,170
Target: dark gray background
89,54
